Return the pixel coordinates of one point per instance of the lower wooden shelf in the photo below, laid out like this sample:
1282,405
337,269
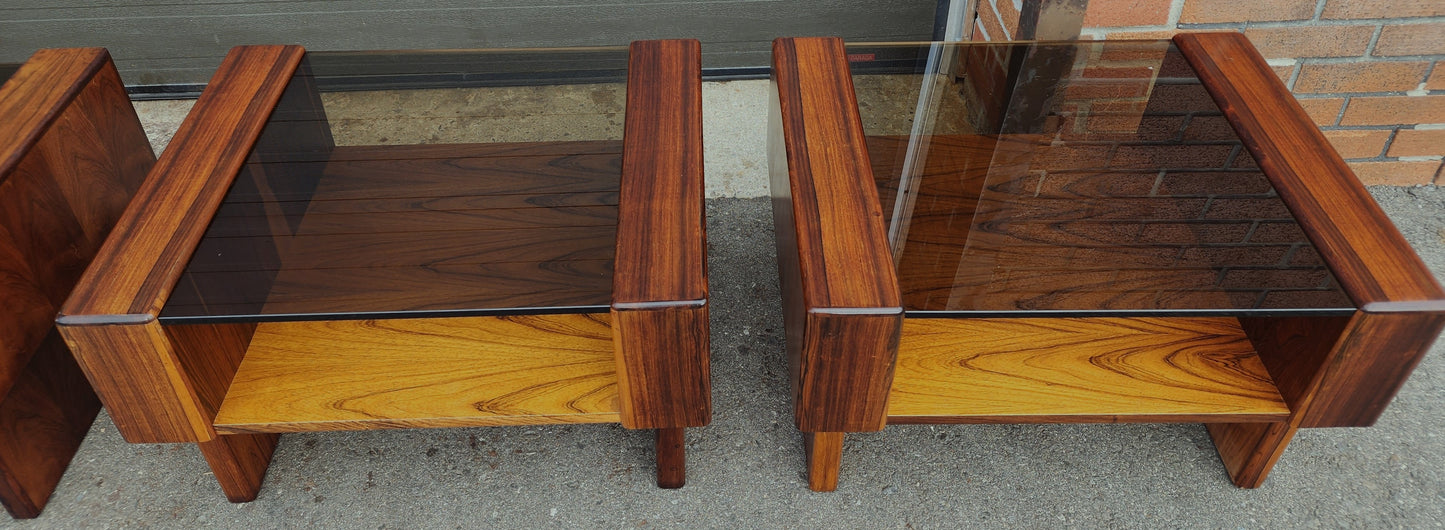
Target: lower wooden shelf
1080,370
442,372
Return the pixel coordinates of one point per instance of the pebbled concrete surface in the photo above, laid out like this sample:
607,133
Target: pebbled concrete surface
746,469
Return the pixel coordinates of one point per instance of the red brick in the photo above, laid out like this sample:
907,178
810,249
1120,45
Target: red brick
1173,99
1143,35
989,21
1193,233
1411,39
1390,110
1206,156
1215,11
1296,299
1396,173
1231,183
1283,73
1109,13
1243,208
1382,8
1311,41
1358,143
1289,232
1009,15
1437,79
1360,77
1412,142
1210,128
1274,278
1322,110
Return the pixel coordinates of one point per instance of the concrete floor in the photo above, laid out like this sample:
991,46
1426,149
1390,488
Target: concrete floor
746,469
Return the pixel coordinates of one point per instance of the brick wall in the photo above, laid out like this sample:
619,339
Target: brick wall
1368,71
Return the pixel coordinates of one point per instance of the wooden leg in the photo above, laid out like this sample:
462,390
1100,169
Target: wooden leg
825,456
239,462
671,458
1249,450
43,419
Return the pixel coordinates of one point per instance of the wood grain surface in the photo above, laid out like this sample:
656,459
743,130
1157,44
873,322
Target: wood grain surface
72,153
659,282
824,453
380,231
1401,304
842,307
110,320
451,372
1373,262
1077,370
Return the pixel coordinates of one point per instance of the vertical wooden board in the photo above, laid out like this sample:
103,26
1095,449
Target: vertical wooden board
843,310
659,285
663,377
1368,367
239,462
1250,450
43,419
845,371
140,379
210,355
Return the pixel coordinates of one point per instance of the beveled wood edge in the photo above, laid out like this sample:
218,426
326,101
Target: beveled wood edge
223,427
661,258
139,264
38,92
1370,258
943,419
828,285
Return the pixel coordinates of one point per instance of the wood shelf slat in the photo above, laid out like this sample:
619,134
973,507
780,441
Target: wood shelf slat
1080,370
450,372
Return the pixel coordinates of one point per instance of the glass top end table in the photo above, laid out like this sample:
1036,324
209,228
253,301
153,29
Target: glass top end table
366,240
1133,231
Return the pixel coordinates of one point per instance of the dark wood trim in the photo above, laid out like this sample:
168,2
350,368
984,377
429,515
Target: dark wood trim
72,153
671,458
37,93
1372,261
659,283
155,389
843,310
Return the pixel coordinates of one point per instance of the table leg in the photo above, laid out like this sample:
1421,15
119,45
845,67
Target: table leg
671,458
239,462
825,456
1249,450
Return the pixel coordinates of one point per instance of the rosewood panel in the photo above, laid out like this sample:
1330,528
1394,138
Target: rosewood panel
1400,302
153,389
843,308
72,153
659,282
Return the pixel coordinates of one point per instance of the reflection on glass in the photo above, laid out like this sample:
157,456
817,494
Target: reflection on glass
1090,177
468,182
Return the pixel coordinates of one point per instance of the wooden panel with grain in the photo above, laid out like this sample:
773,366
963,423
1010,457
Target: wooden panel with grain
1401,306
72,153
1373,262
110,319
659,282
1080,370
843,309
447,372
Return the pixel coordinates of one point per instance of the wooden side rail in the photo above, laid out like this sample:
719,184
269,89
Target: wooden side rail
842,308
1350,376
659,282
158,385
1402,308
72,153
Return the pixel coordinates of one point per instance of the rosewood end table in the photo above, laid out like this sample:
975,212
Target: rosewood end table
1098,232
379,240
72,153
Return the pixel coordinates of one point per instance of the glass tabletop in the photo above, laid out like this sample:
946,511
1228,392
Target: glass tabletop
7,70
437,183
1094,178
